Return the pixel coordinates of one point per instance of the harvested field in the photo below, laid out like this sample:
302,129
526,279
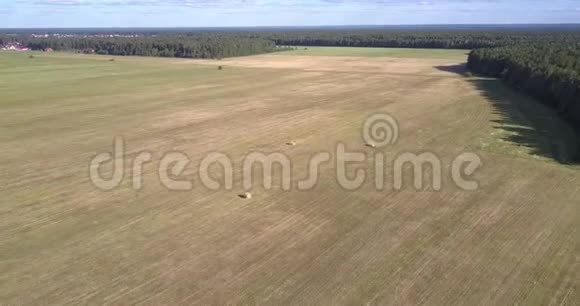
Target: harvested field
346,64
376,52
512,241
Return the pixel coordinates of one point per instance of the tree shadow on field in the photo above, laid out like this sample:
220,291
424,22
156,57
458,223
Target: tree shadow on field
459,69
525,123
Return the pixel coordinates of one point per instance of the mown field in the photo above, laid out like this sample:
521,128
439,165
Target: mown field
63,241
376,52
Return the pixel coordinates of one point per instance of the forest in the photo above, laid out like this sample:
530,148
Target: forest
228,43
199,46
548,71
417,39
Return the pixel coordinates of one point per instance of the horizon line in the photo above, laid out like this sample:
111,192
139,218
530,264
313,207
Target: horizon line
307,26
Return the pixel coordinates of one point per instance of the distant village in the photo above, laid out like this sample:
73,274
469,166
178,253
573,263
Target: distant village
66,35
16,46
13,46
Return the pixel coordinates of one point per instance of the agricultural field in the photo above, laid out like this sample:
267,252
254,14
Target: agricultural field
376,52
512,240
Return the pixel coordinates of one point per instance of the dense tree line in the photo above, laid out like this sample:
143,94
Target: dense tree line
221,43
416,39
547,71
201,46
386,40
218,43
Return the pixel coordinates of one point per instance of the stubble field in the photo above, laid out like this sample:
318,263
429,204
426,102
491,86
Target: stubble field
513,240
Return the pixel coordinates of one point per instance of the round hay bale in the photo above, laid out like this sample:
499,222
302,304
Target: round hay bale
291,143
371,145
246,195
220,68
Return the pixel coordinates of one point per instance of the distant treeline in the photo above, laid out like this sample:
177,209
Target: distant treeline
413,39
217,44
547,71
197,46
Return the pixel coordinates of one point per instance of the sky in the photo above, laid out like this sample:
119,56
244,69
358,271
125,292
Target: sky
228,13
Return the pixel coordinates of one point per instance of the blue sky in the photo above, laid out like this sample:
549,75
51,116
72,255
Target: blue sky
197,13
